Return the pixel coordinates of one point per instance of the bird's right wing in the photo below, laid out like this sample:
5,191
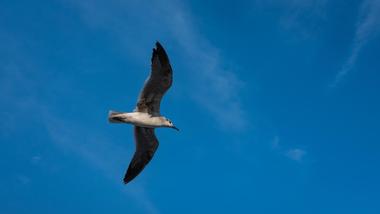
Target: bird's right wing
158,82
146,146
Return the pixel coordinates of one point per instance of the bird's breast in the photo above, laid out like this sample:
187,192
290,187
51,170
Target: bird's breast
144,120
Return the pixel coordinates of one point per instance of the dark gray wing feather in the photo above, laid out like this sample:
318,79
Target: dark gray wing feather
146,146
158,82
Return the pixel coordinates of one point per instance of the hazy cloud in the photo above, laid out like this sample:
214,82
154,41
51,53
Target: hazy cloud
303,17
296,154
368,26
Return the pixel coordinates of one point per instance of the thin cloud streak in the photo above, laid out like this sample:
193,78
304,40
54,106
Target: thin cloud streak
301,17
367,28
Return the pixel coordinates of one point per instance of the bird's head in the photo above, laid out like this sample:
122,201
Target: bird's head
170,124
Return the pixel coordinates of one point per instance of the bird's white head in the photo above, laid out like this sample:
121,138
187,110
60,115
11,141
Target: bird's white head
169,124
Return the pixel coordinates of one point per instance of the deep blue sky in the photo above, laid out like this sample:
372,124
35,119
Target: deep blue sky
277,102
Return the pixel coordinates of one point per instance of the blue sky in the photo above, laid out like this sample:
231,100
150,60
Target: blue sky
277,102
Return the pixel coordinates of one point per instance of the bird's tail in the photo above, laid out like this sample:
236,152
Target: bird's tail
113,117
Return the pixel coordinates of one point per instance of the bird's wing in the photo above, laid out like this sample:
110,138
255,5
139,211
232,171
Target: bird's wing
158,82
146,145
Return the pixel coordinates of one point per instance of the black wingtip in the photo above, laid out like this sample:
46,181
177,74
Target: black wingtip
158,44
159,47
126,181
132,174
160,52
128,178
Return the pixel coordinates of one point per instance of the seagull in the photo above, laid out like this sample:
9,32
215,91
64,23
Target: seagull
146,116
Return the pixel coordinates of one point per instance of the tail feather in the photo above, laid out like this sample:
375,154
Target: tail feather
113,117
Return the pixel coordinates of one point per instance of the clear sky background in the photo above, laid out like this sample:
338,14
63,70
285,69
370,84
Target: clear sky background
277,102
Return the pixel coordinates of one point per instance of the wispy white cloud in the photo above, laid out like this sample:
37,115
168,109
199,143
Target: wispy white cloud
368,26
302,17
212,86
296,154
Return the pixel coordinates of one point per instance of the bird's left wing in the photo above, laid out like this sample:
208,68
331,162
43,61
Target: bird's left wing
146,146
158,82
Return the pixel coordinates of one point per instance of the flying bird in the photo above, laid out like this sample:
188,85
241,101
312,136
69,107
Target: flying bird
146,116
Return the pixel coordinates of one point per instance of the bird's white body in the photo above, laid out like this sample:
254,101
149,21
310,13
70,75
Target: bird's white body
140,119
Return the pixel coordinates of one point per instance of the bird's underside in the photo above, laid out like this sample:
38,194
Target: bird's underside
158,82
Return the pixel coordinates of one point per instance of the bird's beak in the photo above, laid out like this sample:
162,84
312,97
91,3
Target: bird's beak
175,128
